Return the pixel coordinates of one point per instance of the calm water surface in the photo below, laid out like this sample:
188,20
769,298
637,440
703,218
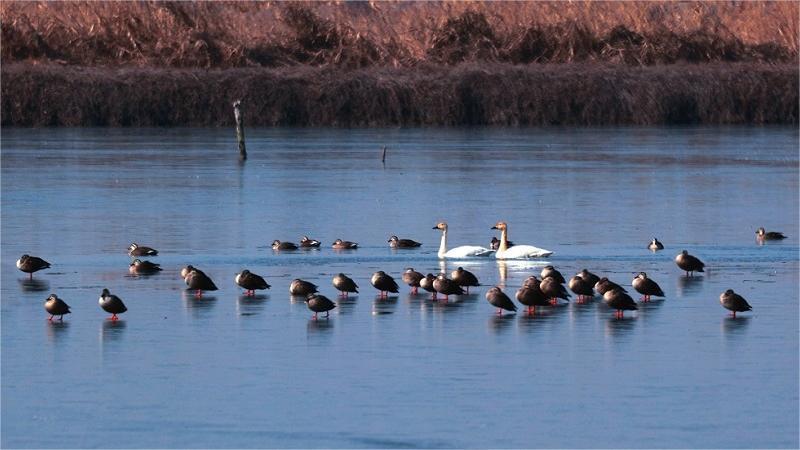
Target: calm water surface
232,371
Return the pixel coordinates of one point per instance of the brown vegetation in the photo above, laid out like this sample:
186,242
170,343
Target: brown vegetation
360,34
468,94
399,63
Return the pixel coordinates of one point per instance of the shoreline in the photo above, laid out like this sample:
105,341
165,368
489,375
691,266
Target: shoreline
468,94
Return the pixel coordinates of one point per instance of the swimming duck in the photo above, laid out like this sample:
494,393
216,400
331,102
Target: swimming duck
464,251
553,289
589,277
531,296
446,286
395,242
384,283
412,278
319,303
345,284
550,271
495,244
278,245
619,300
769,235
302,287
655,245
305,242
581,287
344,245
427,284
140,250
30,264
646,286
111,304
604,285
464,278
198,281
56,307
250,282
500,300
139,267
689,263
517,251
734,302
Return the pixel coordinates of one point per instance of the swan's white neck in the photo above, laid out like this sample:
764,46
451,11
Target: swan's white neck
503,241
443,244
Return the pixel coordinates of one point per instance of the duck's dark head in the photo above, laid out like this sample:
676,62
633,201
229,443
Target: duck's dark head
105,293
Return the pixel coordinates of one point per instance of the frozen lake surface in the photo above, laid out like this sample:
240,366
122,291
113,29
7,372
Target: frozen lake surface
233,371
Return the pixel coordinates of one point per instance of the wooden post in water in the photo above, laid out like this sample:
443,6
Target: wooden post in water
237,112
383,157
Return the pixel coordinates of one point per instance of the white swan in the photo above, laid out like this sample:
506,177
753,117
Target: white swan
465,251
517,251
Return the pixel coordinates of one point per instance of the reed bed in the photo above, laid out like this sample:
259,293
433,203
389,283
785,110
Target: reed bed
396,34
466,94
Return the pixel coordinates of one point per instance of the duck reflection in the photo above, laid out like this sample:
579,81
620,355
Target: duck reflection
112,330
248,305
689,285
321,326
616,326
499,323
346,305
383,305
34,285
190,302
56,329
735,327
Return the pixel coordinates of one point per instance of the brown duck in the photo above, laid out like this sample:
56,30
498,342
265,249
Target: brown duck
604,285
734,302
198,281
531,296
655,245
302,287
464,278
581,287
345,285
620,301
646,287
589,277
30,264
56,307
395,242
497,298
554,290
446,286
427,284
765,235
250,282
550,271
186,270
139,267
384,283
689,263
111,304
278,245
344,245
318,303
140,250
412,278
495,243
306,242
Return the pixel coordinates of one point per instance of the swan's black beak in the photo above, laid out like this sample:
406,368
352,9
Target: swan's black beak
493,228
435,228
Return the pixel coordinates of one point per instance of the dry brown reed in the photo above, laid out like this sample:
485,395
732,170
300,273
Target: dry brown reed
394,34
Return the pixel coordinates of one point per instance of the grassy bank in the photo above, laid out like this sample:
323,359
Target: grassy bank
472,94
396,34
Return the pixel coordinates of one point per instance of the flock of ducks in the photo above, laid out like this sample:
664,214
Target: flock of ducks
547,290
